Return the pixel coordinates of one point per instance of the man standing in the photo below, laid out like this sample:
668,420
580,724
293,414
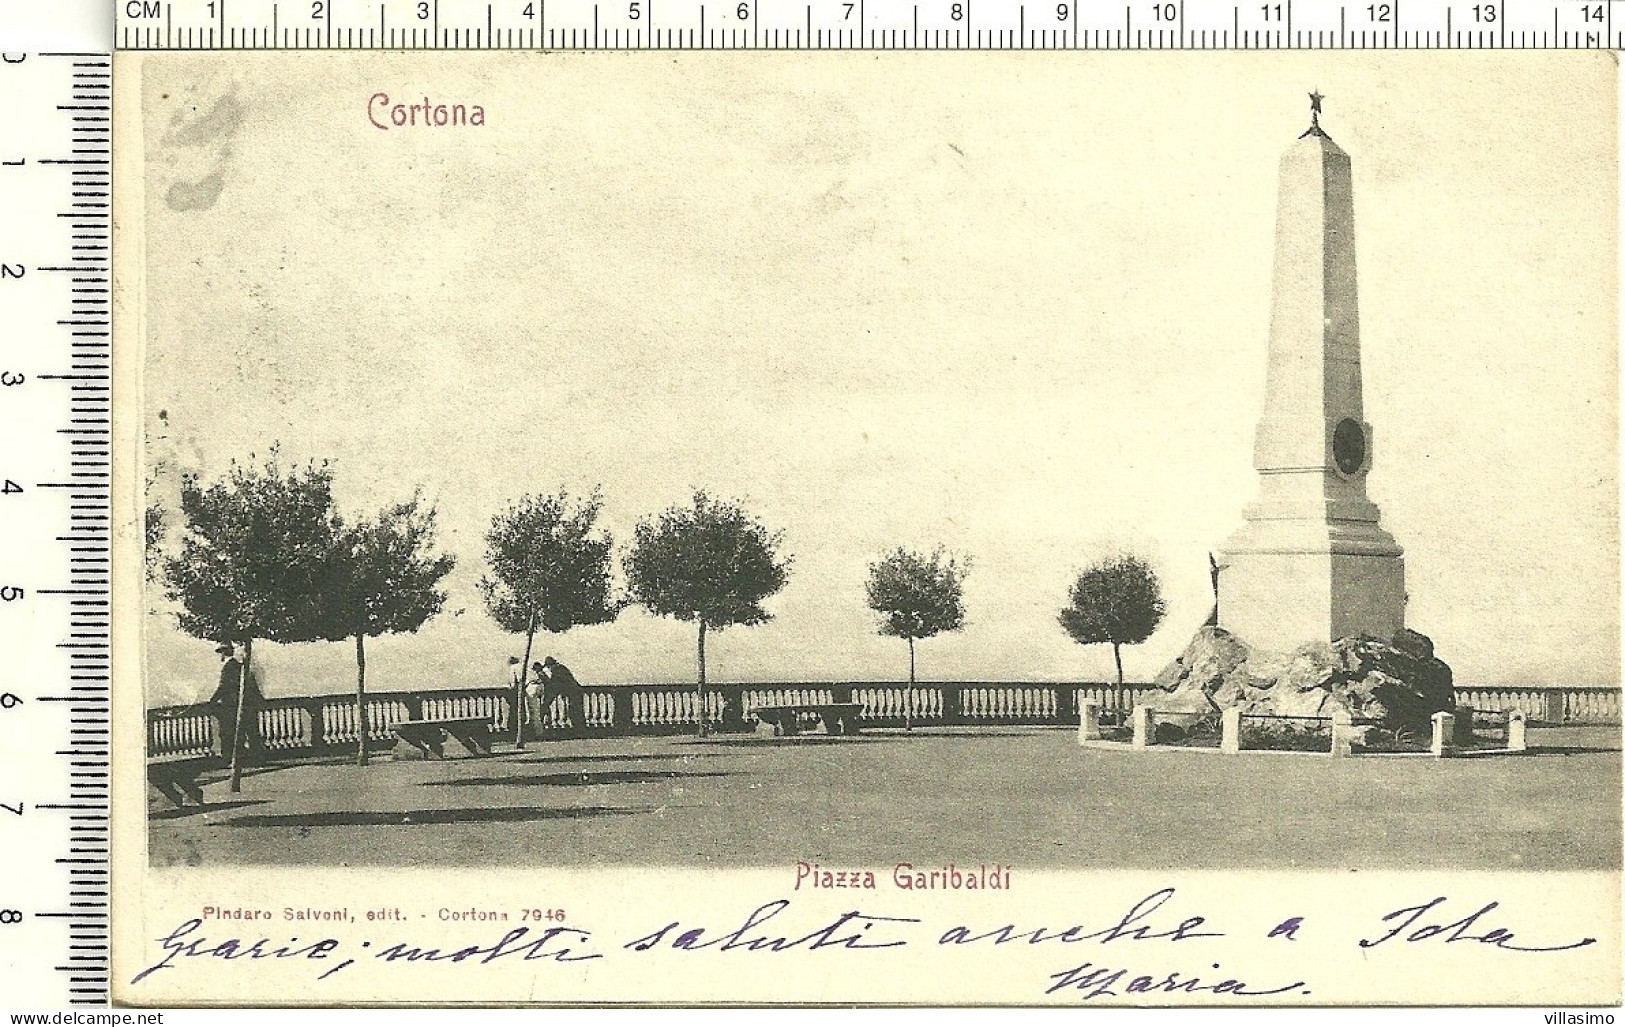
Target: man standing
526,695
226,704
561,682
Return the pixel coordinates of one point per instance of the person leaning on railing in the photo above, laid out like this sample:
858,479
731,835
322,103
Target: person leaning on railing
558,681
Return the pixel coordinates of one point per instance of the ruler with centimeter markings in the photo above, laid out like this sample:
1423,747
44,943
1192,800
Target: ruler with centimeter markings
866,24
55,519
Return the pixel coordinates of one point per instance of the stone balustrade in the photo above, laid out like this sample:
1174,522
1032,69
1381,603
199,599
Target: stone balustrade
319,724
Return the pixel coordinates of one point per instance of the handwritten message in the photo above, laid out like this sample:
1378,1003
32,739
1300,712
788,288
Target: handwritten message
1160,945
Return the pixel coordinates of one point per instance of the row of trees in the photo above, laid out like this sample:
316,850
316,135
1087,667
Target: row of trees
264,554
1117,601
709,563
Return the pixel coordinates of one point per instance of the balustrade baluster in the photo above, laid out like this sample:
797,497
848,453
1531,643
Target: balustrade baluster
316,734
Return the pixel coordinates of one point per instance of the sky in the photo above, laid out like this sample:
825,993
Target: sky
1015,305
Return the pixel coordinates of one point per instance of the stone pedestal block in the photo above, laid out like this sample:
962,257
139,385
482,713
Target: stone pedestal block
1089,720
1230,736
1142,726
1517,731
1342,734
1444,734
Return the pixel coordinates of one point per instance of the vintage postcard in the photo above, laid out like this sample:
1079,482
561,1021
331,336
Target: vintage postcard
923,528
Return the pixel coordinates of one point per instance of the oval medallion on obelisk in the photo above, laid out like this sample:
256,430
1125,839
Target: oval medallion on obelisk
1348,445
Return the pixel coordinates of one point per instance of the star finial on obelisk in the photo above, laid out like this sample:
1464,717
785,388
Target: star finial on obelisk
1315,97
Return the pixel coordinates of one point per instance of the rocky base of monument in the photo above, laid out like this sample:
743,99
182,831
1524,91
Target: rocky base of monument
1398,683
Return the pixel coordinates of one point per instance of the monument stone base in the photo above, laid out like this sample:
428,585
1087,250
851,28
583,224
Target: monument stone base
1400,683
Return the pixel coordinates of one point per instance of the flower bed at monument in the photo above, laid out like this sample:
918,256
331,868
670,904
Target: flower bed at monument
1114,727
1286,734
1379,741
1205,733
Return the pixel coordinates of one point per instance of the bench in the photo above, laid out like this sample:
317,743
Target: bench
840,718
426,739
176,778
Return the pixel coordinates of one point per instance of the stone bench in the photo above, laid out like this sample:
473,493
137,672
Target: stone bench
840,718
426,739
175,778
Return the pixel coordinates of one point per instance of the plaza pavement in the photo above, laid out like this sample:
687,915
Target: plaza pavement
1018,795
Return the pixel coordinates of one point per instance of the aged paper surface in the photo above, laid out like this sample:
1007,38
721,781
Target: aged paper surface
1013,305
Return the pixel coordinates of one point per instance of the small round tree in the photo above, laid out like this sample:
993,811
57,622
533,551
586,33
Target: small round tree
549,571
1117,600
385,580
711,563
917,597
254,563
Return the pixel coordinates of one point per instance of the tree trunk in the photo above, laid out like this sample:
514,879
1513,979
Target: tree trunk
519,707
237,732
361,698
1117,654
908,696
704,727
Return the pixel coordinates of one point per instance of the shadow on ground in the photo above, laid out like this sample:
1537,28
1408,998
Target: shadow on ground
208,807
757,741
585,777
430,817
780,740
217,774
628,758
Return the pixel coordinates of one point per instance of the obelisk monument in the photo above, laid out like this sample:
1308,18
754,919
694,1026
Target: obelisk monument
1311,563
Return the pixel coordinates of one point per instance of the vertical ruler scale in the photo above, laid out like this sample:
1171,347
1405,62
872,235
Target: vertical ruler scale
55,481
